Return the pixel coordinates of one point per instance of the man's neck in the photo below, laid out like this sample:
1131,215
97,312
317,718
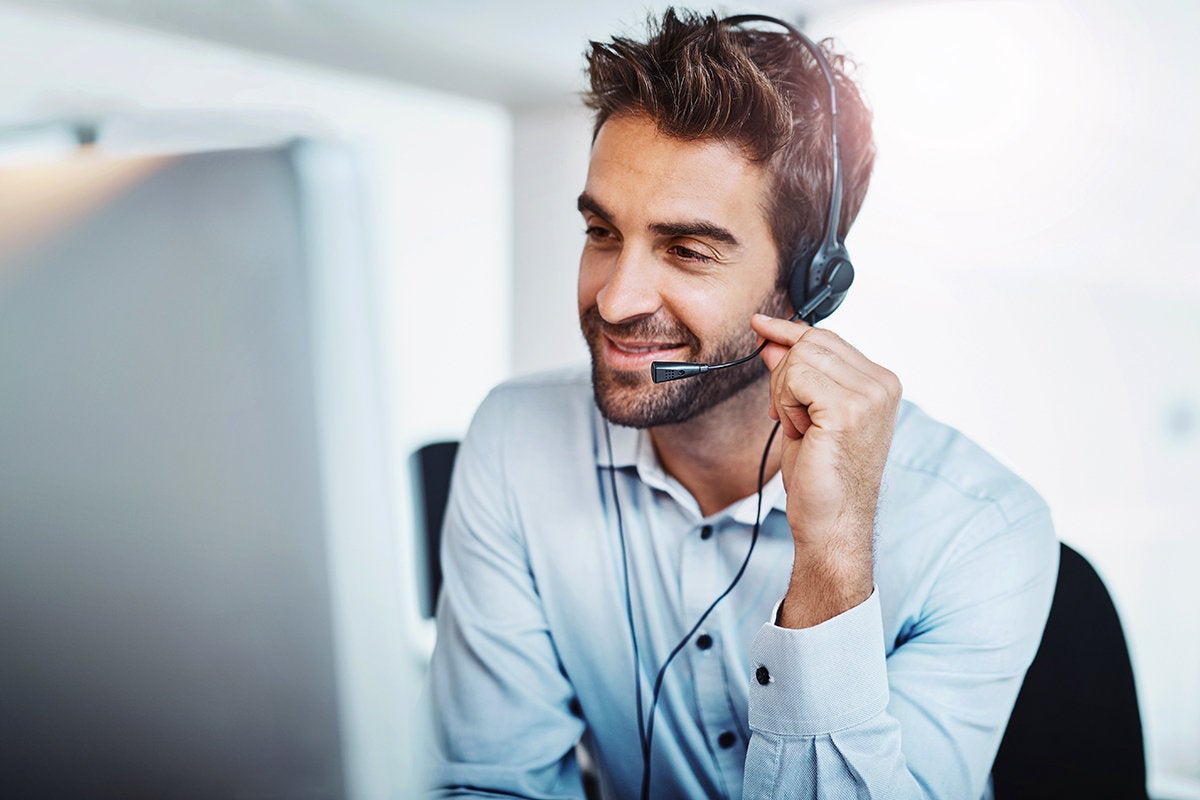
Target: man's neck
716,455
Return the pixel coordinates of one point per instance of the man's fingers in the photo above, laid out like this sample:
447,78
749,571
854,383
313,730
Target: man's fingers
787,333
781,335
795,422
773,353
825,350
781,331
814,372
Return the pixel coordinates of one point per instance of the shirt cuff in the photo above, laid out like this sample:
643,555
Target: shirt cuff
817,680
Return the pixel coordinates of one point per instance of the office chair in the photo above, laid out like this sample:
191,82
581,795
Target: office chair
433,465
1075,730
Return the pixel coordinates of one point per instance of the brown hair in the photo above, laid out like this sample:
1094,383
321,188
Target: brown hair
763,90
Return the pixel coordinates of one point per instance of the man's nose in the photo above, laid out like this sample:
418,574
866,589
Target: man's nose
632,290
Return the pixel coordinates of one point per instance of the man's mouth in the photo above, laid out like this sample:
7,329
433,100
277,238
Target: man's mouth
634,355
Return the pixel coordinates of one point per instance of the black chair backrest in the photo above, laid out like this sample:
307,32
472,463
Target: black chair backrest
1075,730
433,465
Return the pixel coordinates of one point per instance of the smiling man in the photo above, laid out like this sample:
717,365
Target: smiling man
845,609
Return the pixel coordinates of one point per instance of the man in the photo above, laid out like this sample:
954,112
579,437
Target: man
594,524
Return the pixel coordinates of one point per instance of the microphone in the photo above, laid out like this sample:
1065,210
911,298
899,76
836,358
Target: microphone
663,371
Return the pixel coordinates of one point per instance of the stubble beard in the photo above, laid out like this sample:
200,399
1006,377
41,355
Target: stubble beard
633,400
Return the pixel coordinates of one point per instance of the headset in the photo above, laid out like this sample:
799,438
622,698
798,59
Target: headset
817,283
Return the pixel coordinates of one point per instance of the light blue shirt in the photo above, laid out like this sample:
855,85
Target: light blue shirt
905,695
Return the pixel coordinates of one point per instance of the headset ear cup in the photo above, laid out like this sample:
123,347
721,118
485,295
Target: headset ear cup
839,275
828,265
798,283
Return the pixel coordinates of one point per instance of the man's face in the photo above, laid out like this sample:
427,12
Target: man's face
678,255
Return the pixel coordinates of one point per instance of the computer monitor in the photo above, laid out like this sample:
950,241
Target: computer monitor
198,563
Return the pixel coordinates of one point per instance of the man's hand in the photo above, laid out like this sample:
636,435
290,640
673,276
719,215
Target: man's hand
837,411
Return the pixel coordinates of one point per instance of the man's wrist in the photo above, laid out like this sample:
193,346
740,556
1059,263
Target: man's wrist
826,584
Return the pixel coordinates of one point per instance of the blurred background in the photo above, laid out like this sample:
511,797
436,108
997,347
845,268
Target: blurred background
254,254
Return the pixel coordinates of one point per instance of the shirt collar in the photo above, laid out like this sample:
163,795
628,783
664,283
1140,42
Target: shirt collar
632,447
774,498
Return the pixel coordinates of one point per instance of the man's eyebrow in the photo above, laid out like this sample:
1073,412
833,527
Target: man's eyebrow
699,229
702,230
587,203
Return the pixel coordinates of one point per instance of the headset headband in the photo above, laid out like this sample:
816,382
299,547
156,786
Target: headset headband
834,218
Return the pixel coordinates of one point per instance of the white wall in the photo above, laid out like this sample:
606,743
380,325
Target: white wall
550,154
1027,264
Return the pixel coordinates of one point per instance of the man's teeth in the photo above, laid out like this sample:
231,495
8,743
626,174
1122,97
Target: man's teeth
653,348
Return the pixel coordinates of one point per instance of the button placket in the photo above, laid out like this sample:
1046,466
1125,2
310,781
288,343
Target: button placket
704,580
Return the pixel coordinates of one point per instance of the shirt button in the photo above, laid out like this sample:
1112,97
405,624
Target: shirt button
762,676
726,740
704,641
706,532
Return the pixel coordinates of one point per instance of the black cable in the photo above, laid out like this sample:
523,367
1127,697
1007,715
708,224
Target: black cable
646,727
743,359
763,344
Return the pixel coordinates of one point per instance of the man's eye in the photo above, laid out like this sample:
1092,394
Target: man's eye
596,232
687,254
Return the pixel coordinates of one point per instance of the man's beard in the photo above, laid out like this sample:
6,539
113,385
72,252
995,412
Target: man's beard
632,399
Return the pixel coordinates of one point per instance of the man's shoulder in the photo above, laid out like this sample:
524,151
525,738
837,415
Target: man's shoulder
558,384
533,409
535,436
931,456
544,395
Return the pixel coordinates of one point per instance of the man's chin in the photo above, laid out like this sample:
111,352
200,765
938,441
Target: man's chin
630,398
625,378
626,417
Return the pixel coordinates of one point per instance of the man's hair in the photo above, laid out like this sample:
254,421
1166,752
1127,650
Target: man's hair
761,90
